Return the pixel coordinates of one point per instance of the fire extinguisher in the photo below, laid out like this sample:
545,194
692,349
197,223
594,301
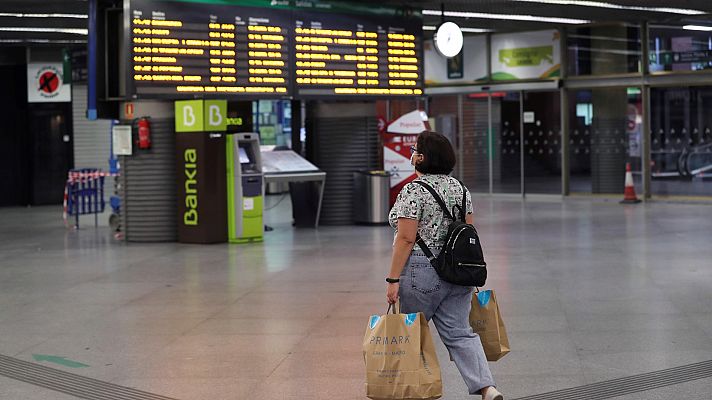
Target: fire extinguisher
144,133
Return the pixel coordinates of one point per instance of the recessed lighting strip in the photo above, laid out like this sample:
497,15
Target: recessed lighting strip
697,28
469,30
42,41
507,17
602,4
54,15
75,31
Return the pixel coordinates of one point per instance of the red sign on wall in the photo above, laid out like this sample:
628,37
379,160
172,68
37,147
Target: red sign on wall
396,160
129,111
402,134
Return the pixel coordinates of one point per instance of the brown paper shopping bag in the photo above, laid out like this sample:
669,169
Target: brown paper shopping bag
487,322
400,358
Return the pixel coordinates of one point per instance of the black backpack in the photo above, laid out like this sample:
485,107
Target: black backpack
461,261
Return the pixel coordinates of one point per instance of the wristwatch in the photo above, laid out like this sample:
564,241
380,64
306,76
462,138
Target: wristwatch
392,280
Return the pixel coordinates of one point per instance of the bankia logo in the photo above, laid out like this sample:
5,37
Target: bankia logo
190,217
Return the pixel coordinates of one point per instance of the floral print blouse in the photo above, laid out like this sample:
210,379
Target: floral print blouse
416,202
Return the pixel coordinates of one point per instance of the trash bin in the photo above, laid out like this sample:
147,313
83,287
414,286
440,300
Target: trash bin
371,196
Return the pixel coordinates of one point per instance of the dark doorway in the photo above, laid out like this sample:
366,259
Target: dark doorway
542,142
15,165
506,117
51,132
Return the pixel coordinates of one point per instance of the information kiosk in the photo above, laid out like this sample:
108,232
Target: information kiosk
287,166
244,188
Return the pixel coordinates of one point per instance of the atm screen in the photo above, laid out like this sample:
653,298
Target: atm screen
247,157
244,159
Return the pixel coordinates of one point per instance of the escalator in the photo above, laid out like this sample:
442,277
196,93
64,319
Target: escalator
695,162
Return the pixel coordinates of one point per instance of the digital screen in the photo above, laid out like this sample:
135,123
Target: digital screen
352,55
272,49
244,158
200,48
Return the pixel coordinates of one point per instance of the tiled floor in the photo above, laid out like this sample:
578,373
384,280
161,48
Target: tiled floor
589,290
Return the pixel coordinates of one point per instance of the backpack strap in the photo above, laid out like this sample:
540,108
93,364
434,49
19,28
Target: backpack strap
447,213
463,211
437,197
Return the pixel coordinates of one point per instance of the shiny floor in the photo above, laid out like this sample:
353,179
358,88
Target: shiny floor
589,290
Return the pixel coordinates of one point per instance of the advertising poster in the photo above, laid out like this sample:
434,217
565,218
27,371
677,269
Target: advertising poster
401,135
469,66
396,160
526,55
45,83
634,123
455,68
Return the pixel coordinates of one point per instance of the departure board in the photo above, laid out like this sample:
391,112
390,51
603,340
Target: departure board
271,49
352,55
199,48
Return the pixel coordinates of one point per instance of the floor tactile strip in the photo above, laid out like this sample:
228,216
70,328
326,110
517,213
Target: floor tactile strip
631,384
68,383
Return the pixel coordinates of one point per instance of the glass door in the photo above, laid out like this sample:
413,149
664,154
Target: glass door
506,142
541,150
605,134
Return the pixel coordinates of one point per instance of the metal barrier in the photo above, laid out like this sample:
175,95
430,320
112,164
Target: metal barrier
84,194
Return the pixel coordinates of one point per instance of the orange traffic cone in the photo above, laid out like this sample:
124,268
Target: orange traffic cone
629,196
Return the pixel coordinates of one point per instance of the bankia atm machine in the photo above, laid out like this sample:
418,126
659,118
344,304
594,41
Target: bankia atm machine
244,188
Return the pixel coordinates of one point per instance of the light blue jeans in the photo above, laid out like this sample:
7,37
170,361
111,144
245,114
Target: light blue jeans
448,305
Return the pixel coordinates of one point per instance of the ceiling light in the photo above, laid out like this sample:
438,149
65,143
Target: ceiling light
601,4
506,17
469,30
42,41
75,31
55,15
697,28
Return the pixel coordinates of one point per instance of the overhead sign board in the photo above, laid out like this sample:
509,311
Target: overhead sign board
272,49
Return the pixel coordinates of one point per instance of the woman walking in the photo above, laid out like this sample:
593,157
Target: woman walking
415,281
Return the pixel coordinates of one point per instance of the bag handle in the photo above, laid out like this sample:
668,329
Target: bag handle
394,307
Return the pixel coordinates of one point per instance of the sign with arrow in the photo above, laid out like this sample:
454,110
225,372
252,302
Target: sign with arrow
45,83
63,361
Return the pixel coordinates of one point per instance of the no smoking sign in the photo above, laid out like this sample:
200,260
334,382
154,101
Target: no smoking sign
45,84
49,83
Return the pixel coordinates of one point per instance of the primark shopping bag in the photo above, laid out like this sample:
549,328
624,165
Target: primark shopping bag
400,358
487,322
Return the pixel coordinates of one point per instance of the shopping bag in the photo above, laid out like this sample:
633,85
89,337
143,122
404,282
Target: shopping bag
486,321
400,358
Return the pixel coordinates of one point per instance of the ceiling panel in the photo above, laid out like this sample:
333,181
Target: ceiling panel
537,8
27,27
544,8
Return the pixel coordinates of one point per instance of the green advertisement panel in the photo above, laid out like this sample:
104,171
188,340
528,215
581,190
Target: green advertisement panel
526,55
